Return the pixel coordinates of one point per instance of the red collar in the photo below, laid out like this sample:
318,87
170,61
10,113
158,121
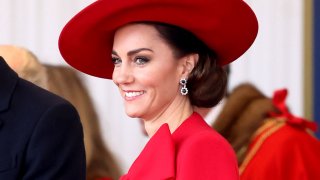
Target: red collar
157,159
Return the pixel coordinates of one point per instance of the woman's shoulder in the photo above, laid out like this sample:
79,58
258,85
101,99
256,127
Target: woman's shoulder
207,152
195,131
198,138
207,139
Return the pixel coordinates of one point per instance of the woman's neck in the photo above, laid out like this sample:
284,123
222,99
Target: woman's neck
202,111
174,115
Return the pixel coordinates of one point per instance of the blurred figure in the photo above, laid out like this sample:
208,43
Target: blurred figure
269,141
25,63
64,82
241,116
40,133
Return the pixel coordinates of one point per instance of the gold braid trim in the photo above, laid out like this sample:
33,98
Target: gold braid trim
266,130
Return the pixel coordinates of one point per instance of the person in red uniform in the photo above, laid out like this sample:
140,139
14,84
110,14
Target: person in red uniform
270,142
161,54
283,147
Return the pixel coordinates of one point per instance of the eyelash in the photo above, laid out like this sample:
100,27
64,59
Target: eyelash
143,59
116,60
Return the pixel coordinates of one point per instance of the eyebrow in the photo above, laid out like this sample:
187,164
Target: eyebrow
132,52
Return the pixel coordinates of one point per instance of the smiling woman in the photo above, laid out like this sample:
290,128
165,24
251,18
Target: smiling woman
147,72
165,64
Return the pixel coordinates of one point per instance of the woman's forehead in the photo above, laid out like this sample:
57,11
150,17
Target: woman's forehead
137,36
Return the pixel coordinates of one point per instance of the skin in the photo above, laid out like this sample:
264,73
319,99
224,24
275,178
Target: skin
202,111
148,74
17,58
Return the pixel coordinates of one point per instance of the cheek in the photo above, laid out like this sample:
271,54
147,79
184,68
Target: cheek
147,80
162,82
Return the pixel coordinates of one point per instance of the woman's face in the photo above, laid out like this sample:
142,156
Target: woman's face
145,70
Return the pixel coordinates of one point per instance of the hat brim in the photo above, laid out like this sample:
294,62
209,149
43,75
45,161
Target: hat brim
228,27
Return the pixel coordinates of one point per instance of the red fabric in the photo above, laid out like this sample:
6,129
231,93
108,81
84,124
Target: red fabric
228,27
105,178
289,153
156,159
193,152
278,100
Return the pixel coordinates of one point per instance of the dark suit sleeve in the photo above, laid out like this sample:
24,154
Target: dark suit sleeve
56,149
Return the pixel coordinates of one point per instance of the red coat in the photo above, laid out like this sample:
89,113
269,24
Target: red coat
105,178
282,151
193,152
282,148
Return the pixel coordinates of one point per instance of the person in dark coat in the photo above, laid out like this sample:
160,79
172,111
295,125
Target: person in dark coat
41,134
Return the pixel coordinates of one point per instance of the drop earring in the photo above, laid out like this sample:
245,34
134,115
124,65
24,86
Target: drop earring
184,90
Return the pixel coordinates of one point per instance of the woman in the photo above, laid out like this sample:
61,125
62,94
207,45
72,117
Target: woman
162,53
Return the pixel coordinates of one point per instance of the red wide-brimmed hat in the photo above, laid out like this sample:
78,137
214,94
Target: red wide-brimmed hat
228,27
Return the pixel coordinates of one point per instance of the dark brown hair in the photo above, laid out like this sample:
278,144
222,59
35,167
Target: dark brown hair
207,82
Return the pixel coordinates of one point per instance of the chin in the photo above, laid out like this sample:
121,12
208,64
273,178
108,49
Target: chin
134,111
133,114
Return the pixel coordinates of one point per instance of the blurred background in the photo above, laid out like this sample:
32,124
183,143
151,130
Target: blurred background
285,54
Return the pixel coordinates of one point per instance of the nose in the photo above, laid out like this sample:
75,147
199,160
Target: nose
122,74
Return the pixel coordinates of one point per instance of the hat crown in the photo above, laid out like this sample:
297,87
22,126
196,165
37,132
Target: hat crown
228,27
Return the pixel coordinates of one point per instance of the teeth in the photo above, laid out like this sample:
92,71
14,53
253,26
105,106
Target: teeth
133,94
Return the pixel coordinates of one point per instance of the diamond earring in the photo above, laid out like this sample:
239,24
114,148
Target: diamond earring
184,90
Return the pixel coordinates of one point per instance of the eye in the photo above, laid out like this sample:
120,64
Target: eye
116,60
141,60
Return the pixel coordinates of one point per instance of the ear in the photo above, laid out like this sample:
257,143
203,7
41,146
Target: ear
188,63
